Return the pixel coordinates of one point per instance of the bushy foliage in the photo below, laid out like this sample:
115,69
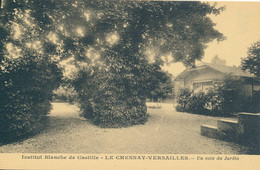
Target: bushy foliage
252,61
114,46
223,99
109,101
183,98
112,52
118,111
26,91
188,101
27,76
65,93
161,85
252,64
197,102
226,98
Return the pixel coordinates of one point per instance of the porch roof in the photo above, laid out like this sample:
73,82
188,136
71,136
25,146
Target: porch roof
220,68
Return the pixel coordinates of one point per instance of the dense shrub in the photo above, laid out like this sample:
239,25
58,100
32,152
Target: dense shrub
28,73
197,102
183,98
116,111
226,98
107,101
188,101
26,91
223,99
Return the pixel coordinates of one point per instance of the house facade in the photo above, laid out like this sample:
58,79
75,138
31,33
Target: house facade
208,75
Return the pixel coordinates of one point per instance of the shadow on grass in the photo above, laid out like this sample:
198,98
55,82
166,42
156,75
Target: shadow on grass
40,127
48,125
55,124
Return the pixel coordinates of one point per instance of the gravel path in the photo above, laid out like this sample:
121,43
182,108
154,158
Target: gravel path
166,132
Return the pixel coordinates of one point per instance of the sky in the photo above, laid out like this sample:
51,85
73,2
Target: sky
240,24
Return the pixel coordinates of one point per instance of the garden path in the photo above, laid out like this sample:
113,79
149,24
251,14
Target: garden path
165,132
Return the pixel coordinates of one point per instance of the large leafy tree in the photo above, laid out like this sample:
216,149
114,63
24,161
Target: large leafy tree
27,74
252,61
110,49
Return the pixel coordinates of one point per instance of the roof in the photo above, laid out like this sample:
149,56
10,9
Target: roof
220,68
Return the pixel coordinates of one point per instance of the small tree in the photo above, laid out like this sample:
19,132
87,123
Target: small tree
161,85
252,64
252,61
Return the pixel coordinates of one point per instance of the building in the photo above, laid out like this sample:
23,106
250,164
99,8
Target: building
207,75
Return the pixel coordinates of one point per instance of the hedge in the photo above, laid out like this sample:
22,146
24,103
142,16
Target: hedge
26,91
225,99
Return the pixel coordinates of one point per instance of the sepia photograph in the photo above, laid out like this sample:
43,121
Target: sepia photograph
128,80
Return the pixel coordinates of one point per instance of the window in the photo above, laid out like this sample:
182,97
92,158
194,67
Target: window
202,85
